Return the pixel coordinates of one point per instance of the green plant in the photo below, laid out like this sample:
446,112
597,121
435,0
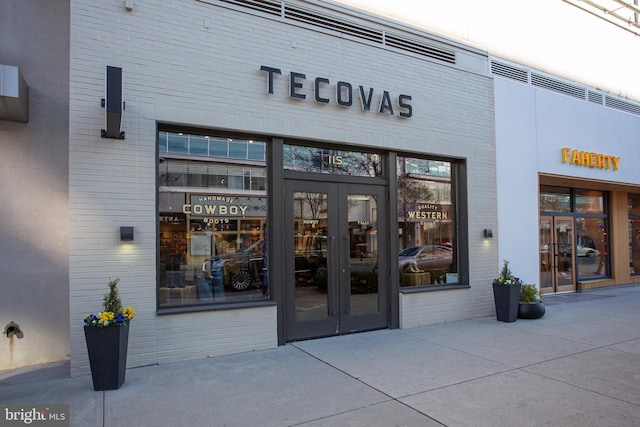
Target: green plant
113,313
529,293
112,301
506,277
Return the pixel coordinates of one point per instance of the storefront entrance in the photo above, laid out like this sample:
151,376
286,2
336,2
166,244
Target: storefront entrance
557,260
336,272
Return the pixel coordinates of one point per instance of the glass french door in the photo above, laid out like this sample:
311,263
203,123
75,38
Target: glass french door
557,260
335,259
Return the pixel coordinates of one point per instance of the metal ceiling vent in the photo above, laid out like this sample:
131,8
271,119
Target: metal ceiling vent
353,29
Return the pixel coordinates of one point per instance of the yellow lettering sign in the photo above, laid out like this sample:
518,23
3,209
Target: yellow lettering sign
590,159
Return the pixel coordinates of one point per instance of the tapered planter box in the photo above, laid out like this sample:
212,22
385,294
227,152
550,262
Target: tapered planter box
506,298
107,348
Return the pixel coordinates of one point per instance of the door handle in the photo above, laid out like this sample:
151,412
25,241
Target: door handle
346,249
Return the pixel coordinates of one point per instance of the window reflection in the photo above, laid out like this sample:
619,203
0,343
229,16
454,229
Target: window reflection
592,248
426,223
188,173
212,220
555,199
330,161
311,255
590,201
211,146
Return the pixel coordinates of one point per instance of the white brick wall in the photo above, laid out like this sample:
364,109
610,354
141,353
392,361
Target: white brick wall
176,70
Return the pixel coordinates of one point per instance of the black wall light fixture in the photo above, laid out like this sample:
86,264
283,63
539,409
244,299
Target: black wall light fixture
126,234
488,233
113,103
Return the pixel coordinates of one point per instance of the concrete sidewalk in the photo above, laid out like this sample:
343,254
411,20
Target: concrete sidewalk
577,366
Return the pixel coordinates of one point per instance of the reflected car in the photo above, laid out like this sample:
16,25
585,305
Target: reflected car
239,271
584,251
428,257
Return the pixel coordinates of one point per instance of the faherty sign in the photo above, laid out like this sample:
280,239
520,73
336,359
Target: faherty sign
590,159
341,93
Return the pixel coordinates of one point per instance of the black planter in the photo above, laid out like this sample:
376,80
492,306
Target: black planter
531,310
506,298
107,348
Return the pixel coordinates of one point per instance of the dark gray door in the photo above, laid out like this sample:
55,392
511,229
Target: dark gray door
336,256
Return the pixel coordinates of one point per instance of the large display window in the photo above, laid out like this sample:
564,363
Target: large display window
212,220
592,243
586,241
426,215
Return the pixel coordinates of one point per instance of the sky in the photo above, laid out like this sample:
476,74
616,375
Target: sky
552,36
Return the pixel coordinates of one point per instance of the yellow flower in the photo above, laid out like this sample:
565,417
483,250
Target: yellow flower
128,312
106,316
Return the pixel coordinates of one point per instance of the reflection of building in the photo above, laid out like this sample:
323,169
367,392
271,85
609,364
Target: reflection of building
425,215
217,154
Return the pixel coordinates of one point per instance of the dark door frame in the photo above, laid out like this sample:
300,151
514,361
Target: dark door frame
277,226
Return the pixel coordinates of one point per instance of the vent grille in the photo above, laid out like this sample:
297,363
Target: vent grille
619,104
509,72
539,80
558,86
267,6
595,97
331,23
420,48
353,29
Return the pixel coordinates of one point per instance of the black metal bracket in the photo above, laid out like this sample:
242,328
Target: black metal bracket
103,134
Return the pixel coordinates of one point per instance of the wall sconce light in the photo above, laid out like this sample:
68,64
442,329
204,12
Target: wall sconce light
488,233
113,104
126,234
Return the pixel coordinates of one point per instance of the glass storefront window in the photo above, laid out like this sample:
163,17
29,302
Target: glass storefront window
634,234
211,146
178,143
426,214
199,145
329,161
588,249
212,221
237,149
188,173
218,147
589,201
592,254
555,199
256,150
